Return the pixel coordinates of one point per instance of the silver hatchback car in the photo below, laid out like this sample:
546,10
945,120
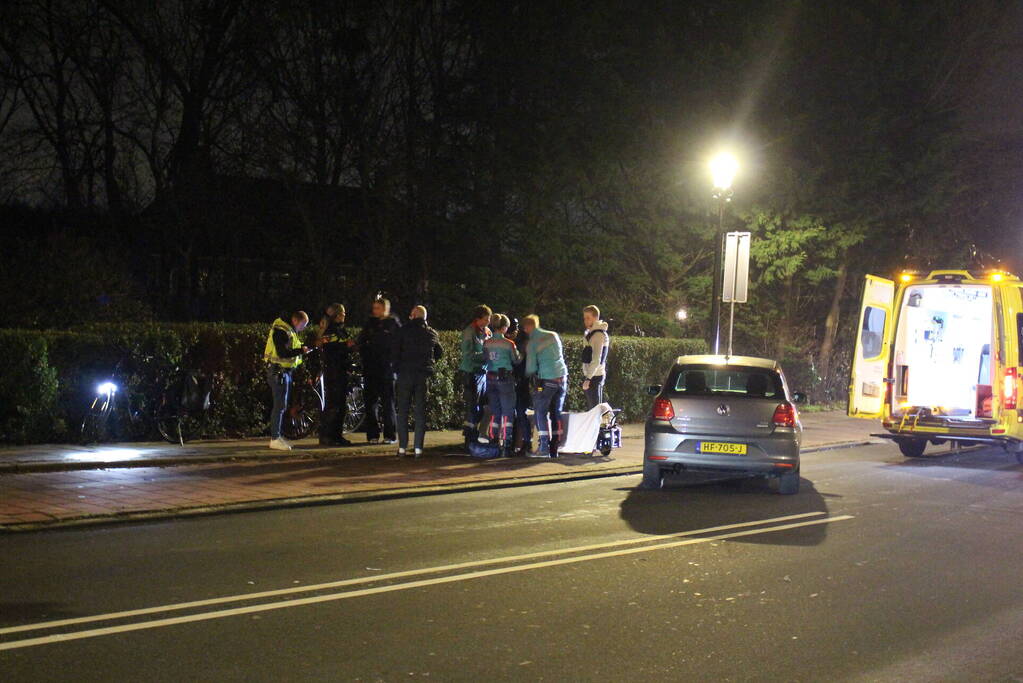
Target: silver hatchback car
724,414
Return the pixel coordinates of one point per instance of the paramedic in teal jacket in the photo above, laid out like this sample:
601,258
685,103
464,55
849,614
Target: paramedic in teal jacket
472,372
500,357
545,363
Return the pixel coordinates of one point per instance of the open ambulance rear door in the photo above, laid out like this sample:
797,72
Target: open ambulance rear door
873,347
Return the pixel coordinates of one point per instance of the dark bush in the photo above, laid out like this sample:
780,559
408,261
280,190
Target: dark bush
53,375
28,389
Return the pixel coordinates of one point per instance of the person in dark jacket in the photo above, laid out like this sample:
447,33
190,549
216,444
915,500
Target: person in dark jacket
375,343
337,342
416,349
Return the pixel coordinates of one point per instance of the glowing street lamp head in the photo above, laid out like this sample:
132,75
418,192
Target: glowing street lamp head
681,314
723,167
107,388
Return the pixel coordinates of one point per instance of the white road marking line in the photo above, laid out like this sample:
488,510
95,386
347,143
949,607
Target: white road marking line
206,616
384,577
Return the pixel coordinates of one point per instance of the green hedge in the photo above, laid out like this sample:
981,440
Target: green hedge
52,374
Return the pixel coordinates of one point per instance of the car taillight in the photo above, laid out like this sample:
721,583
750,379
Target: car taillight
784,415
663,410
1009,389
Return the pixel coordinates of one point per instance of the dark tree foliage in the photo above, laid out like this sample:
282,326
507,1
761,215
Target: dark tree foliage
228,158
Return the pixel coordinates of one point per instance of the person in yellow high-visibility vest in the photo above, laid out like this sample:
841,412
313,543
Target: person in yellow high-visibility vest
283,353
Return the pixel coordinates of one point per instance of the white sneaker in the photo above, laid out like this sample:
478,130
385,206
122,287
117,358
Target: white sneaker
419,452
401,452
280,445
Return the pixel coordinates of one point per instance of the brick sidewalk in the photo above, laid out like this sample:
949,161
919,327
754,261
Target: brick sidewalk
54,457
53,498
48,497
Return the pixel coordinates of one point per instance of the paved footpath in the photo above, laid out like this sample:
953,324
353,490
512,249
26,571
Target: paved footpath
139,481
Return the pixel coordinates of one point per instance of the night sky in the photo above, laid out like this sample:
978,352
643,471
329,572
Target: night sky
225,160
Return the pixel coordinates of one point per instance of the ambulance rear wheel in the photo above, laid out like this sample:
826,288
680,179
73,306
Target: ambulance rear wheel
912,448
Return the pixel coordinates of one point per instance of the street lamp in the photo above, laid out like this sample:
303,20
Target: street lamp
723,167
681,315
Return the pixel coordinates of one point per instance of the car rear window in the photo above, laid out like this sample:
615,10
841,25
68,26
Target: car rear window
733,381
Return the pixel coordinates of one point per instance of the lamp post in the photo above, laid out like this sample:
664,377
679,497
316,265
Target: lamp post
723,167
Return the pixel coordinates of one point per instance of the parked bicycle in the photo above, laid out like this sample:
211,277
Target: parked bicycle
308,401
183,409
179,412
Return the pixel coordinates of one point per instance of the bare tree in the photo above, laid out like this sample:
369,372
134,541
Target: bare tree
39,39
194,59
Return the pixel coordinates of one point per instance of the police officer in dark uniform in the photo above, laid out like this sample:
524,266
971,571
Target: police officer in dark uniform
376,343
337,343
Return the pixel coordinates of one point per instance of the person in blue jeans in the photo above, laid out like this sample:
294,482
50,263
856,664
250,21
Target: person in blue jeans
283,353
545,365
472,375
499,357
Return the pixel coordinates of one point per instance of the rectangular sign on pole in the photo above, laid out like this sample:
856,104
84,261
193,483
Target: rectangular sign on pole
736,270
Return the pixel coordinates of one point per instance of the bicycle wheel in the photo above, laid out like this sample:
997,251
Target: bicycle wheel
356,409
182,428
95,423
302,416
169,427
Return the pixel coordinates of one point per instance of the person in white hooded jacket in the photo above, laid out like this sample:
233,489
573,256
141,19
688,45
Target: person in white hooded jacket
598,343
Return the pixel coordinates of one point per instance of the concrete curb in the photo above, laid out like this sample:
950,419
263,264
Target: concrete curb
31,467
357,496
36,467
294,456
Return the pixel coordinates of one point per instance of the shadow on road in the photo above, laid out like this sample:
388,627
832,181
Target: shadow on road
687,506
982,459
989,467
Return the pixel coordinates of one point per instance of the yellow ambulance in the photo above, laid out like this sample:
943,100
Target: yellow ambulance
938,359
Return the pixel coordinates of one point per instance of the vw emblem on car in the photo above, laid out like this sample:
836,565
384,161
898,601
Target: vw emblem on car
723,409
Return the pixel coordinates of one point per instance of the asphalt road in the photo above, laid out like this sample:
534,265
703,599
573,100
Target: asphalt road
880,569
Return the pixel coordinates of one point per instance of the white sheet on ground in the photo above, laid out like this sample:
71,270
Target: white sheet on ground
582,429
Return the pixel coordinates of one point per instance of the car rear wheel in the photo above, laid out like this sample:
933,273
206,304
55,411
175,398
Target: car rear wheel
788,483
912,448
653,477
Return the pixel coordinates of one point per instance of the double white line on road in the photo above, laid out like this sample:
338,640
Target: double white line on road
700,534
